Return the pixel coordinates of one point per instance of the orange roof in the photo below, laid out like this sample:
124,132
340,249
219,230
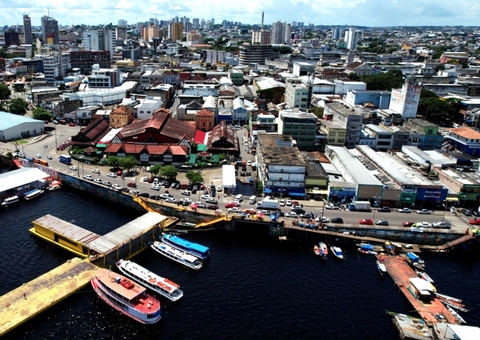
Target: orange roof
466,132
177,150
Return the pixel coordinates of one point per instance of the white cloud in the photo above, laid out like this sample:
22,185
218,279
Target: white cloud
325,12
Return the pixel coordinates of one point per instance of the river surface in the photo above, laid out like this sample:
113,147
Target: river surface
251,288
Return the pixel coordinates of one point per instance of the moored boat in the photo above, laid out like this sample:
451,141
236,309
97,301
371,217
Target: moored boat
323,250
381,267
185,225
456,315
366,248
155,282
423,275
10,200
316,250
337,252
126,296
415,261
32,194
191,248
177,255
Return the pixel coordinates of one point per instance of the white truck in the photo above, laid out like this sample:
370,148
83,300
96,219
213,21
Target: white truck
360,206
268,204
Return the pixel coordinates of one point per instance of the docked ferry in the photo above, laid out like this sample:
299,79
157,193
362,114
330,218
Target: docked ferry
32,194
126,296
10,200
177,255
159,284
191,248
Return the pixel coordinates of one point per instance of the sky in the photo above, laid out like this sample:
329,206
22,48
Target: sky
372,13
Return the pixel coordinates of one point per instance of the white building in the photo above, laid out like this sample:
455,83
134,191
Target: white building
298,94
342,87
15,126
405,100
104,77
90,40
147,106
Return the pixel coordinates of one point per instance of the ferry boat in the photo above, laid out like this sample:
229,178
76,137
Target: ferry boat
10,200
159,284
191,248
323,250
126,296
32,194
177,255
337,252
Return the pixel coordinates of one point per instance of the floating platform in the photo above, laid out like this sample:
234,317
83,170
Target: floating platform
34,297
401,274
411,328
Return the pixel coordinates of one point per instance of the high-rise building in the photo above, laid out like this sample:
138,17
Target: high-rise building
102,39
351,38
50,30
336,33
150,32
121,32
255,54
27,29
11,38
90,40
176,31
122,23
262,37
280,32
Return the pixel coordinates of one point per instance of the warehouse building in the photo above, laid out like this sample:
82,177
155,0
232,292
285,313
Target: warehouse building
16,127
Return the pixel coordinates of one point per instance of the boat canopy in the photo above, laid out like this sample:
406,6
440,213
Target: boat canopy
366,247
413,257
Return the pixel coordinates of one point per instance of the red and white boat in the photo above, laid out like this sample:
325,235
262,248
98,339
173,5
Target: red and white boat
126,296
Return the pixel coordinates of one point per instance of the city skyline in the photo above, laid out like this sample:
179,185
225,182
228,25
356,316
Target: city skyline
372,13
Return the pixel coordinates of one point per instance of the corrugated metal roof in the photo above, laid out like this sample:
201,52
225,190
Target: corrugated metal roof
66,229
17,178
118,237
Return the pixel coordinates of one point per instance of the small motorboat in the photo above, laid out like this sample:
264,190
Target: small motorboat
316,250
381,268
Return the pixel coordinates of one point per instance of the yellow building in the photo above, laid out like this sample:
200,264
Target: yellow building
204,120
150,32
176,31
120,117
335,132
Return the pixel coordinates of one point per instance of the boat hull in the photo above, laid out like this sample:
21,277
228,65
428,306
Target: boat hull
126,310
176,255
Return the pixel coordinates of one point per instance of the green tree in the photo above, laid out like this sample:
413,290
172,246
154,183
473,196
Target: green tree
4,92
127,162
169,171
41,114
194,176
113,161
18,106
384,81
155,169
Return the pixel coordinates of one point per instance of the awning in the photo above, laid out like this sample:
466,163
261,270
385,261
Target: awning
267,191
297,194
452,199
317,191
101,145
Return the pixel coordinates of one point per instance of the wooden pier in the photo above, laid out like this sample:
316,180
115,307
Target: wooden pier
32,298
401,274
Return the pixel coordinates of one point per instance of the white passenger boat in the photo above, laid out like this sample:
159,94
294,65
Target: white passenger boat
32,194
177,255
337,251
126,296
10,200
155,282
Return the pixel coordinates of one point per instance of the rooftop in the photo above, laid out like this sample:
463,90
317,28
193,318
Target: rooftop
278,150
7,120
17,178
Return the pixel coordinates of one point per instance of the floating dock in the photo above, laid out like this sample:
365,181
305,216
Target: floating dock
401,274
122,242
34,297
411,328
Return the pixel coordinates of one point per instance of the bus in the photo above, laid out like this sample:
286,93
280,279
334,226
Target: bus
66,159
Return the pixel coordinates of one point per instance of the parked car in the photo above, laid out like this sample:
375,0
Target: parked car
442,224
230,205
367,221
74,168
185,192
422,225
291,214
307,215
249,162
289,202
178,186
183,186
234,210
132,185
171,200
475,221
96,171
89,177
408,223
98,180
116,186
112,174
212,207
323,219
424,211
165,196
467,212
185,201
106,183
282,202
211,200
384,209
338,220
382,222
331,207
155,197
155,187
144,194
405,210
